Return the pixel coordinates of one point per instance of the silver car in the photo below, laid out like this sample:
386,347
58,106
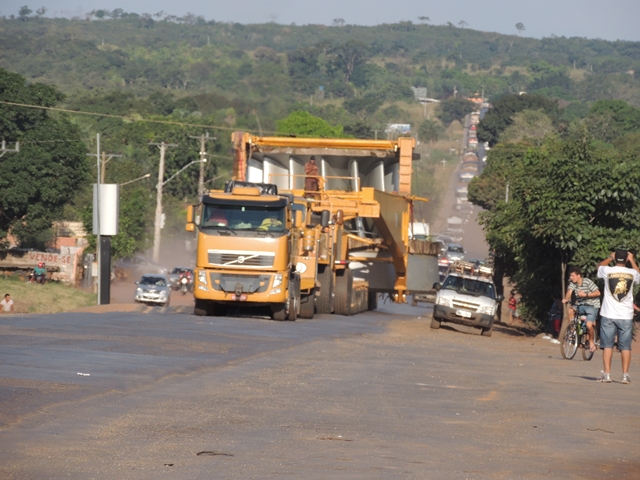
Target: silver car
153,289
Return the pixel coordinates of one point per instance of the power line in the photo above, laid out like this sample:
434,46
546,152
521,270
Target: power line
121,117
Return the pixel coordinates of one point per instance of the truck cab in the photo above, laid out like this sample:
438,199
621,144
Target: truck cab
467,297
245,250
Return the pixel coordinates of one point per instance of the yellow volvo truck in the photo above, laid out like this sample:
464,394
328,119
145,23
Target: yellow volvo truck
247,236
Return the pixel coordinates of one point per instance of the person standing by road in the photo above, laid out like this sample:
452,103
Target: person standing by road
617,310
513,305
7,304
311,179
588,300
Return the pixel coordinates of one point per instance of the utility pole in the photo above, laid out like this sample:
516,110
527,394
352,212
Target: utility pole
156,235
103,164
4,148
203,153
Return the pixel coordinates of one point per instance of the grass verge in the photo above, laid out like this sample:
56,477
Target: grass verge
48,298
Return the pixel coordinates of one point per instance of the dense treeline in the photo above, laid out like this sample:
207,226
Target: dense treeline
186,76
557,192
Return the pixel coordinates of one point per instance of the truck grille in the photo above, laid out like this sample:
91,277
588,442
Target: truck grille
467,305
240,259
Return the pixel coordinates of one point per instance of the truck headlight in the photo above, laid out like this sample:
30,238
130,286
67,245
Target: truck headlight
487,310
202,277
277,280
443,301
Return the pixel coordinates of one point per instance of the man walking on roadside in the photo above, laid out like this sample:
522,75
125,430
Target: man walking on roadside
617,310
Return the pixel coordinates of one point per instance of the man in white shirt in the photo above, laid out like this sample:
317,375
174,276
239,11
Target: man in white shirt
617,310
7,304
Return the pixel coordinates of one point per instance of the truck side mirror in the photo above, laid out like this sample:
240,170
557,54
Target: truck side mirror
190,226
500,298
437,287
298,214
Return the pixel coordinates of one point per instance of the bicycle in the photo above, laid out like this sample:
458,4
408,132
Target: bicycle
574,335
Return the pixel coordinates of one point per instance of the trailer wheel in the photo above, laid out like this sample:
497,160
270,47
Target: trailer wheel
345,294
324,302
307,305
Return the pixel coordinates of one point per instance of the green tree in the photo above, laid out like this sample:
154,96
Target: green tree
454,109
502,114
304,124
39,181
610,119
531,126
520,27
569,203
24,13
349,55
430,131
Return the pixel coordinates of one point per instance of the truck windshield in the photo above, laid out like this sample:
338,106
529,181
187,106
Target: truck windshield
471,286
243,217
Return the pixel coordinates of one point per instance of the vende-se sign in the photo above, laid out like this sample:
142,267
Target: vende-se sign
50,259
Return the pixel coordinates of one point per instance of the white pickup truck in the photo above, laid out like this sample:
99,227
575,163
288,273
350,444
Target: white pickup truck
467,297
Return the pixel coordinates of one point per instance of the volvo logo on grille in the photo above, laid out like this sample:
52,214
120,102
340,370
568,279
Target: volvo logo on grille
240,259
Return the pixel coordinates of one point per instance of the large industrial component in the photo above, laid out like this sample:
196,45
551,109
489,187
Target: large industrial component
369,183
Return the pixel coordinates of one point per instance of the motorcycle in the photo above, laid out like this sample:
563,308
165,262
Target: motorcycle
185,283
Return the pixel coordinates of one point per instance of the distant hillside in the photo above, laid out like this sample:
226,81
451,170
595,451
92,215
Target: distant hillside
189,56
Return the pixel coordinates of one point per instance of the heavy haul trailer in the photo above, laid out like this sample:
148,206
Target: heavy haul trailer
365,190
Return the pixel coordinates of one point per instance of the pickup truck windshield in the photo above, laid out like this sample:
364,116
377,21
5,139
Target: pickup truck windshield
471,286
243,217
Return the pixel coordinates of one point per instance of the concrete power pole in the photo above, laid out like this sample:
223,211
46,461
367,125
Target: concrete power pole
103,166
203,153
158,221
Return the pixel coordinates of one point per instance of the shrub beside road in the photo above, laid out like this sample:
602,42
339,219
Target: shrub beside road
48,298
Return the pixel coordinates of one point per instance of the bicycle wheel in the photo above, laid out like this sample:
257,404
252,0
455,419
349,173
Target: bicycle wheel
569,342
586,353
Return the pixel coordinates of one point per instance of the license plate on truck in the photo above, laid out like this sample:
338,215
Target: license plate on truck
463,313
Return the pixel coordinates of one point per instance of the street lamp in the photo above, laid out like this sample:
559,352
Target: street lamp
137,179
158,220
183,169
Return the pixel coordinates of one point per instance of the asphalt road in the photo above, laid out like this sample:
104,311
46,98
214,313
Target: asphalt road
378,395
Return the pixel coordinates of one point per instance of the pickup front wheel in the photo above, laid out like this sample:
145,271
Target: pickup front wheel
435,324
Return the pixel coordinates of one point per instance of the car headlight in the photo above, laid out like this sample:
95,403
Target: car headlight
277,280
202,276
487,310
138,291
443,301
163,294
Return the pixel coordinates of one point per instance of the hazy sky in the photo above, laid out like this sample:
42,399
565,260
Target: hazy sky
609,20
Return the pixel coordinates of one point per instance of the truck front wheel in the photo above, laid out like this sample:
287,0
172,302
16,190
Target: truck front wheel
308,304
203,308
279,311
